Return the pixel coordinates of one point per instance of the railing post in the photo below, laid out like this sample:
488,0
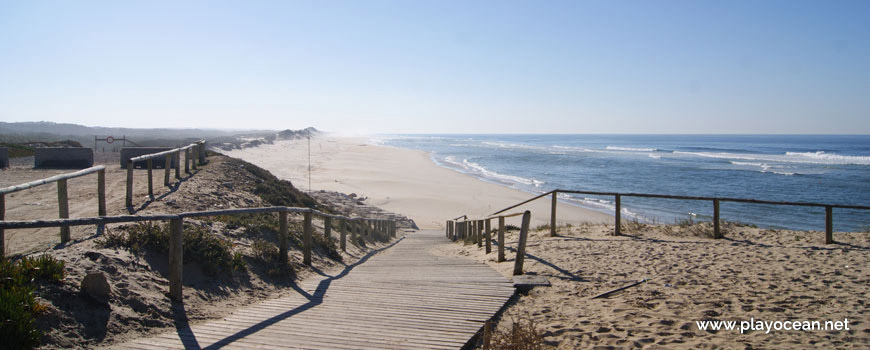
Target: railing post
2,231
327,228
393,228
187,160
101,192
717,233
167,167
150,180
307,241
342,231
553,214
500,239
283,232
176,258
129,200
617,215
354,230
829,224
447,229
63,209
521,246
193,157
202,153
178,165
479,233
487,236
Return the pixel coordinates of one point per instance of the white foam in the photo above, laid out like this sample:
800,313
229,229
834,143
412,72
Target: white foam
475,168
654,156
630,149
789,157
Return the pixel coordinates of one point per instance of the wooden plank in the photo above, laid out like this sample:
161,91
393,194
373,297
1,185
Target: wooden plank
521,247
63,209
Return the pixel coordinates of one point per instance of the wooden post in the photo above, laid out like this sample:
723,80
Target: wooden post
342,231
717,233
487,334
283,232
479,233
193,157
447,229
63,209
307,240
500,239
327,228
150,180
617,215
202,153
393,228
521,246
101,192
129,200
487,236
167,167
553,215
187,161
2,231
354,230
829,224
176,258
178,165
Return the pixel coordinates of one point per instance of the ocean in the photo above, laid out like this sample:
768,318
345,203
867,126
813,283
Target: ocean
798,168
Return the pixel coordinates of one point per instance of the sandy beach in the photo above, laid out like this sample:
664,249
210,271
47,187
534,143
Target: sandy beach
399,180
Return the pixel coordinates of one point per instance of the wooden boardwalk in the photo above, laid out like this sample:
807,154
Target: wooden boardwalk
401,298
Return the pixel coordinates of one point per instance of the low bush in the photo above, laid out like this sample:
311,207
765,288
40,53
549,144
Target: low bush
523,335
269,255
214,253
18,305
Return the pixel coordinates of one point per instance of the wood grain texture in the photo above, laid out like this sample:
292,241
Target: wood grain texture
402,297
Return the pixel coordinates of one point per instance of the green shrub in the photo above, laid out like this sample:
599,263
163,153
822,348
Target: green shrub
252,223
509,228
18,306
214,253
269,255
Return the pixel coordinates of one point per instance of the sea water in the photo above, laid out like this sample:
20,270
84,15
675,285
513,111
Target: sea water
796,168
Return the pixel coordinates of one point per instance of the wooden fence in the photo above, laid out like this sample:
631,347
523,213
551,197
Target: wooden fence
193,154
62,198
480,232
368,228
717,233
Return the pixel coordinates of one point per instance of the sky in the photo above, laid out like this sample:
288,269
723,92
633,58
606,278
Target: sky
441,66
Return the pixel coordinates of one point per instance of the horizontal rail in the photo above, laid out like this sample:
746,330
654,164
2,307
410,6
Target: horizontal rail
521,203
722,199
164,153
24,186
136,218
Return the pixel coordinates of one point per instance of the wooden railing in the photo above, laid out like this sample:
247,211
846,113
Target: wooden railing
369,228
480,231
195,150
62,198
717,233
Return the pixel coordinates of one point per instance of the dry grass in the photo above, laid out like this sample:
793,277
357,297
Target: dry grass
522,335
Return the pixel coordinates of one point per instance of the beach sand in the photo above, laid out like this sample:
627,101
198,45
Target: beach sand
400,180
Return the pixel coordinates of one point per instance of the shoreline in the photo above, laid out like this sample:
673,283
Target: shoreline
400,180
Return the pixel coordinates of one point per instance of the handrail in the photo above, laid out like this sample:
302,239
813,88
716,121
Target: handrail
722,199
521,203
31,184
165,153
197,147
368,227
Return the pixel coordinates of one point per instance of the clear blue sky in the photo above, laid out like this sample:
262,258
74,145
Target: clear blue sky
441,66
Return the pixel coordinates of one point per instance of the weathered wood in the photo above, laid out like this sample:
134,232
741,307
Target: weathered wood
717,233
479,233
167,167
202,153
101,192
177,164
501,239
129,198
523,202
521,245
307,239
342,231
617,228
63,209
723,199
150,179
48,180
193,157
829,225
283,234
187,161
2,218
354,231
553,214
447,229
327,228
488,236
176,258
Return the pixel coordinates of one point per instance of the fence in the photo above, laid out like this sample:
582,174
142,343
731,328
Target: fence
480,231
62,198
195,150
368,227
717,233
